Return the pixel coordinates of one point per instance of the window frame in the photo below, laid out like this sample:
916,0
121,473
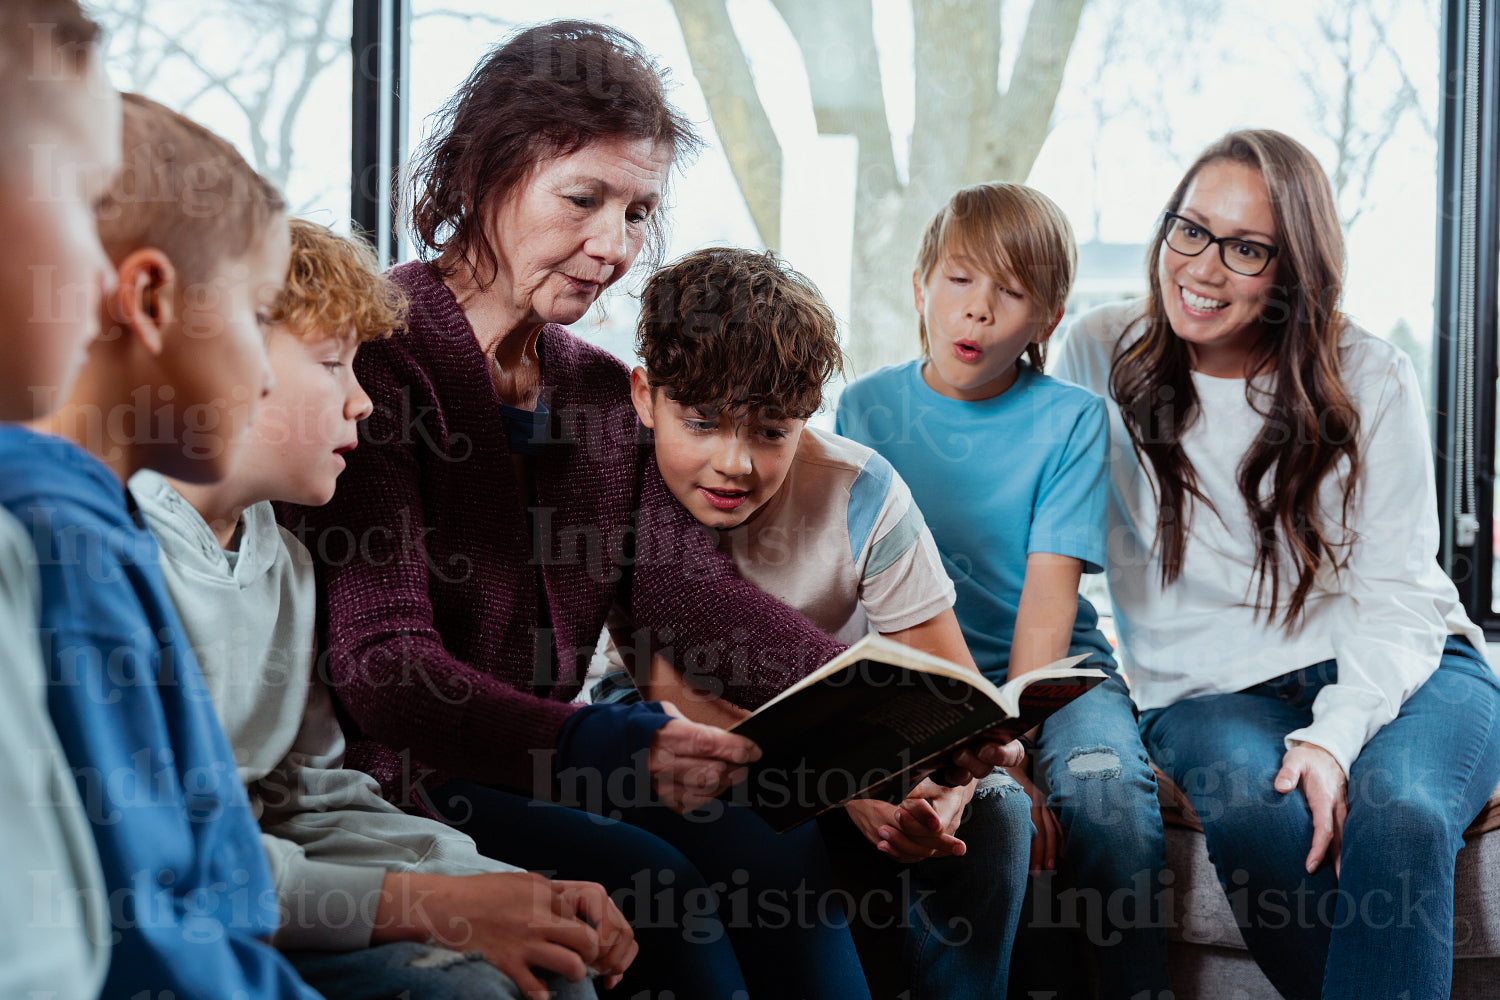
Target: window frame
1470,563
381,44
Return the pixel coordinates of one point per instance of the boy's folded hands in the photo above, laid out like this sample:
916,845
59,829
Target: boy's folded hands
519,921
922,826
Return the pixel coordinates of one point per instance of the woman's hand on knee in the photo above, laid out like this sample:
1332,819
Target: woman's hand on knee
691,763
519,921
1325,786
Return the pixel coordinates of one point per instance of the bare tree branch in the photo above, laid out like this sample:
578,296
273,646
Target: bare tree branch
313,65
1358,137
1024,115
749,142
465,15
837,41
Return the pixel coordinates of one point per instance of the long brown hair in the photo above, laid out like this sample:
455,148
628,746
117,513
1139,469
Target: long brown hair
1311,424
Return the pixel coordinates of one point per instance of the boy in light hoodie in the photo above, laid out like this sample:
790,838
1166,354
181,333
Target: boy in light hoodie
363,887
170,383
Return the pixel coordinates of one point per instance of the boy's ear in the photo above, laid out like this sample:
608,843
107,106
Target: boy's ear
146,297
640,395
916,291
1043,335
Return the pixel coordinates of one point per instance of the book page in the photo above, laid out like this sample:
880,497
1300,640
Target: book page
878,647
1055,684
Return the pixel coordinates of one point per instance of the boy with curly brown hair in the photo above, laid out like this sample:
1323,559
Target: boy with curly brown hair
736,349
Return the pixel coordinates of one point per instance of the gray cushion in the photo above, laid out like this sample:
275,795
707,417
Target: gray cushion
1204,917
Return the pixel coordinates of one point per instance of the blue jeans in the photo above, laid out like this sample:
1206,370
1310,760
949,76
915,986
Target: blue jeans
1384,926
940,929
720,904
963,912
410,971
1100,783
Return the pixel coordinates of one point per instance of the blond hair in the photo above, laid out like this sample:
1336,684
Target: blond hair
1014,233
334,288
184,191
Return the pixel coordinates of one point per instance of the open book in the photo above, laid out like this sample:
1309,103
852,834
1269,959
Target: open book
879,717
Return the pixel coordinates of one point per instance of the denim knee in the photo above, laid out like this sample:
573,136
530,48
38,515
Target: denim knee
1404,831
417,971
999,813
1103,789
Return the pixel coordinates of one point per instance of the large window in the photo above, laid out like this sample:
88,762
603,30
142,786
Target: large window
835,128
862,117
271,76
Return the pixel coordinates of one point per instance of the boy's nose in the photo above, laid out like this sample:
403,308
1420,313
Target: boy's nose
358,406
732,458
978,312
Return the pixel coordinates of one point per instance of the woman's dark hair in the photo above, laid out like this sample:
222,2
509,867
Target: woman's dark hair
547,91
1311,425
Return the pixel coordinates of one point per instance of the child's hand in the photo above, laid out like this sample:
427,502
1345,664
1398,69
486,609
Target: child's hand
928,820
979,758
870,816
921,827
520,921
617,944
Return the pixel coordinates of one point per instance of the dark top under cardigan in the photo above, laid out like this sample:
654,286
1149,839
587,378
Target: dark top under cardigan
442,653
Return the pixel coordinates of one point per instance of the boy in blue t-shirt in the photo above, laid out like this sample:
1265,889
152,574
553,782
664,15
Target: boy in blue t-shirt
171,385
1009,467
736,348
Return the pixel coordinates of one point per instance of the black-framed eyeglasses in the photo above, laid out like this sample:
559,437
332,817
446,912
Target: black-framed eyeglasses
1188,238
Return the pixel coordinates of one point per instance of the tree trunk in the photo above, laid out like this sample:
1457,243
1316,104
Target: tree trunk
965,130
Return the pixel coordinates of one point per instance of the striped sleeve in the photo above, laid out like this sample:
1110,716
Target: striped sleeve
902,582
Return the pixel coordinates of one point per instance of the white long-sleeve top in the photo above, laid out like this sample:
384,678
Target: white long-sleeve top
1384,615
250,617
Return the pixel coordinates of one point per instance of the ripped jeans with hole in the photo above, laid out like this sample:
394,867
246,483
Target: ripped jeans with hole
412,971
1092,763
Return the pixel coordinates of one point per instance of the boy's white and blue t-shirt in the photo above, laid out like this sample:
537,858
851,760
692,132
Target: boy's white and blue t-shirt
997,479
841,542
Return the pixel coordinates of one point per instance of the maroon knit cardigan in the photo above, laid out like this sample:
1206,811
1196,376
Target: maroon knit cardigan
435,638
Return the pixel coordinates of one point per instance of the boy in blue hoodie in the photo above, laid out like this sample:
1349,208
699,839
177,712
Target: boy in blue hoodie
199,245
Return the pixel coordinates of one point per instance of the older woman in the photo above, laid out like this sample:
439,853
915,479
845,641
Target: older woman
499,504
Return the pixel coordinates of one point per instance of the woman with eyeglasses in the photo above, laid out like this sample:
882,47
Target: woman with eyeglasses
1303,667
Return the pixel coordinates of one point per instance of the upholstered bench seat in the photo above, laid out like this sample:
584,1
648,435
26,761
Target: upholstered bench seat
1208,957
